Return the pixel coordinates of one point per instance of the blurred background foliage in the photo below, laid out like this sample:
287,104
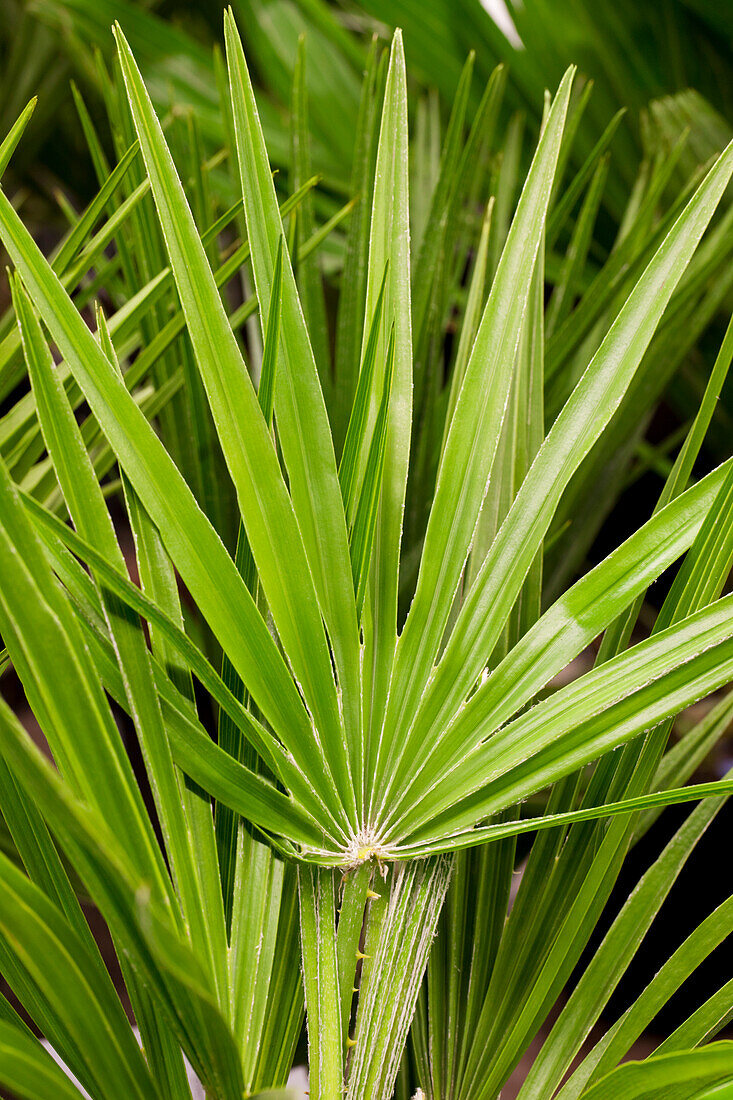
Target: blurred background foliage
666,63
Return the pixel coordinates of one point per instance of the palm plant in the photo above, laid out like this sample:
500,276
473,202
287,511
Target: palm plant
356,818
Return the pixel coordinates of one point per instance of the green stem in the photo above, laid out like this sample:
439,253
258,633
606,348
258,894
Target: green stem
351,922
316,887
400,930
